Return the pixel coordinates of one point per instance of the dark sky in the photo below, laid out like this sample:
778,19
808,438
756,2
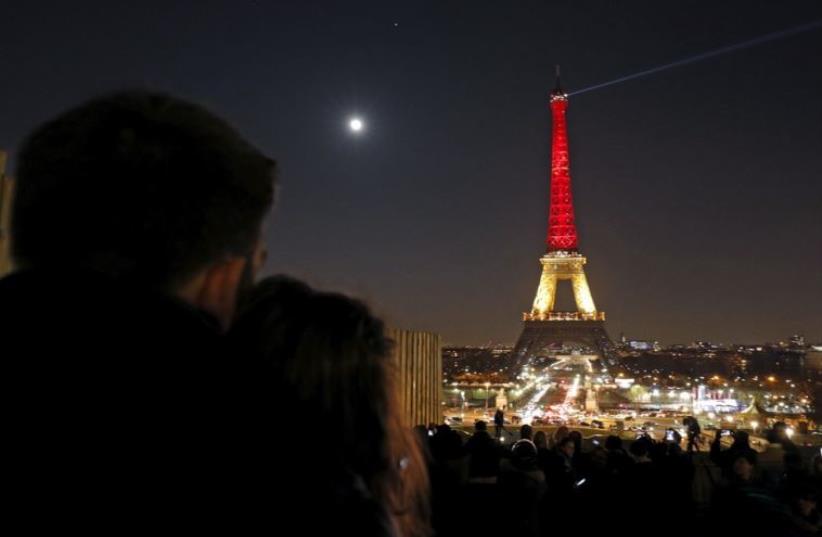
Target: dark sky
698,190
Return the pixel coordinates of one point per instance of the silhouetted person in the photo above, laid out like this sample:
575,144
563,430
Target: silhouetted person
328,356
543,452
618,459
742,506
448,472
522,486
541,440
499,422
725,458
643,479
136,221
779,435
561,432
692,430
526,432
794,478
481,497
560,501
805,510
580,458
601,489
483,454
562,473
676,478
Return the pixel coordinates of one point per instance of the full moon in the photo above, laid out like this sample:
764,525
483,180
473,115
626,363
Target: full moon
355,124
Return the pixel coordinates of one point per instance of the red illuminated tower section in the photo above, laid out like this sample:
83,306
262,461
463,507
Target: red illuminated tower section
562,231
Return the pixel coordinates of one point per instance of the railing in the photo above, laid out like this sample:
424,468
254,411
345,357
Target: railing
564,316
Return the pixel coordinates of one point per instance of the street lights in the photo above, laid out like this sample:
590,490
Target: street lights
487,387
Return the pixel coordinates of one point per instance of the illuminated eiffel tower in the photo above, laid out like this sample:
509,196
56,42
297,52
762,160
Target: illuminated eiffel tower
547,331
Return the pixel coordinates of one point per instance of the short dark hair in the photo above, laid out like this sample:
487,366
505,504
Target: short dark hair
641,446
526,431
565,441
613,442
140,186
748,454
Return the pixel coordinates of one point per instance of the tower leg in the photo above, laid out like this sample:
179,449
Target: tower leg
582,293
546,293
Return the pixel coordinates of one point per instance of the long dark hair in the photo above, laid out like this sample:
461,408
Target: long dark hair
326,355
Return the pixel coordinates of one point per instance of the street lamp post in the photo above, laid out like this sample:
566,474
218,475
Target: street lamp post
487,387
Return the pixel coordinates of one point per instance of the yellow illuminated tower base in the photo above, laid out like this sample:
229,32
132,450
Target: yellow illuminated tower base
547,332
558,266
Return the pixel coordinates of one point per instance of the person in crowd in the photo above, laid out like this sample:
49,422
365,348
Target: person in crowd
481,494
521,487
804,507
448,471
561,497
779,435
561,473
328,355
541,440
543,451
644,470
499,422
743,506
560,434
526,432
580,457
601,488
725,458
794,479
675,485
137,221
618,459
483,454
771,463
693,431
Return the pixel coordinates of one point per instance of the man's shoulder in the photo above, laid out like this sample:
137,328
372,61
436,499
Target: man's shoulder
50,318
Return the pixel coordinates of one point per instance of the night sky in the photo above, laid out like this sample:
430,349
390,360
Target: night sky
698,190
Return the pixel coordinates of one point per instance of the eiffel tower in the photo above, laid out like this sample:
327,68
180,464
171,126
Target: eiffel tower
547,331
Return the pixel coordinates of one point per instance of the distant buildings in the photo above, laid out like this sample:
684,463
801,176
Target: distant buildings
637,344
478,364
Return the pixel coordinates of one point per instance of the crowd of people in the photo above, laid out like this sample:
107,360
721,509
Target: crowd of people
148,375
542,484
